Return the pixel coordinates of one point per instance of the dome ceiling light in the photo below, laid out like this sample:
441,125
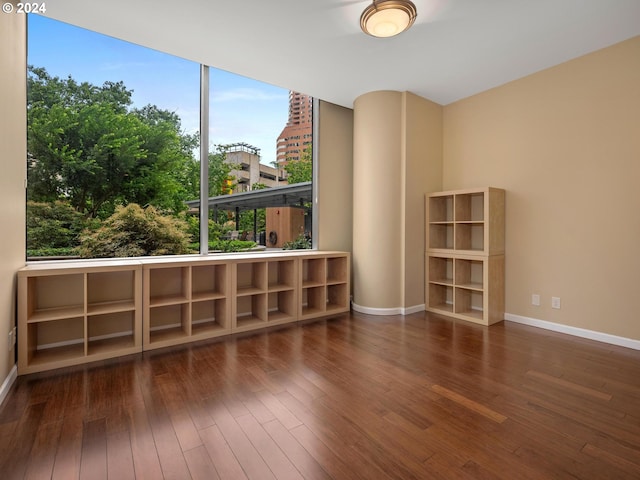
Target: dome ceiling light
386,18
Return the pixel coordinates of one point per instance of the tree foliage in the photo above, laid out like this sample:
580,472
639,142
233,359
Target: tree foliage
299,171
87,145
133,231
54,225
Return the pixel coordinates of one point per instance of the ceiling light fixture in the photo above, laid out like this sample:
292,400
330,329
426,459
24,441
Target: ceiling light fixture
386,18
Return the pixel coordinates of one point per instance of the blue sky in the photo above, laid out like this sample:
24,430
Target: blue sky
241,109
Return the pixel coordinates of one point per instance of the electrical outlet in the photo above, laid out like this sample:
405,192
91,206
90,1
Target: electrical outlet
12,337
535,299
555,302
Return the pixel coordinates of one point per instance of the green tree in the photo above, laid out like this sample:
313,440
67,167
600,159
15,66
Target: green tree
52,226
88,146
299,171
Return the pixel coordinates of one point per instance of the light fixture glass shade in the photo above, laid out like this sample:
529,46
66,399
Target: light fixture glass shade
386,18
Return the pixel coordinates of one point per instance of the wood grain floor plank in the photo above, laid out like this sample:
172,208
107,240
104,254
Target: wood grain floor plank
69,451
120,456
146,461
296,453
93,465
15,459
223,459
200,465
252,463
43,452
277,461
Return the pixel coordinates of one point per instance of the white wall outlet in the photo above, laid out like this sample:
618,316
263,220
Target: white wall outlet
535,299
555,302
12,337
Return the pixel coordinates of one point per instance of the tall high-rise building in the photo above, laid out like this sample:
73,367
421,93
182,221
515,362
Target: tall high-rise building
298,133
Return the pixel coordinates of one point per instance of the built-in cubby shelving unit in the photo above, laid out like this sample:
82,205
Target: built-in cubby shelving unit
72,314
76,312
465,254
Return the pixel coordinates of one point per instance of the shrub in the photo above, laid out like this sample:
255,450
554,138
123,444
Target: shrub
193,222
301,242
132,232
55,225
231,245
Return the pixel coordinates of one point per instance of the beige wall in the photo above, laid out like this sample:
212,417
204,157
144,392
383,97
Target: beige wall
565,144
335,177
13,158
422,143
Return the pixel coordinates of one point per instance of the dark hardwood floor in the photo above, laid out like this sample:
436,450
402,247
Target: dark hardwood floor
355,397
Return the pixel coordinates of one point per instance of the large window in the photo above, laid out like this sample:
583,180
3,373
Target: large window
114,160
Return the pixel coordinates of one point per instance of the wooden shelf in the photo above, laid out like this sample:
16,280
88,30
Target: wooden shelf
167,300
75,312
111,345
166,337
56,313
111,307
63,356
465,254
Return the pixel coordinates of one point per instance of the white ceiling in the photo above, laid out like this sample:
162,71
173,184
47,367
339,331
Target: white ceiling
455,49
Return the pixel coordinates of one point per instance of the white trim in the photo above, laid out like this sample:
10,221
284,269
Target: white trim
414,309
8,383
387,311
575,331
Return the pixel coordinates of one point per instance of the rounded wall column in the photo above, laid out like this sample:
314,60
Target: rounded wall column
377,203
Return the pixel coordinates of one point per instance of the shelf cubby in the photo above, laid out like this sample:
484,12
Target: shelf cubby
440,270
441,236
469,207
440,297
469,236
337,269
313,301
337,297
209,317
111,332
313,272
281,275
281,306
251,312
469,273
441,209
251,278
55,297
469,303
57,342
168,285
168,323
208,282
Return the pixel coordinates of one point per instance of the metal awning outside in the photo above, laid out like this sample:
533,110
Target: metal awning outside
295,195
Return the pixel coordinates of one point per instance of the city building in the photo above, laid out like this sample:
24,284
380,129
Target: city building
247,169
298,133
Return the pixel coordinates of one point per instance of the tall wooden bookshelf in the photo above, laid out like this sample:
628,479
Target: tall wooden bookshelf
465,254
